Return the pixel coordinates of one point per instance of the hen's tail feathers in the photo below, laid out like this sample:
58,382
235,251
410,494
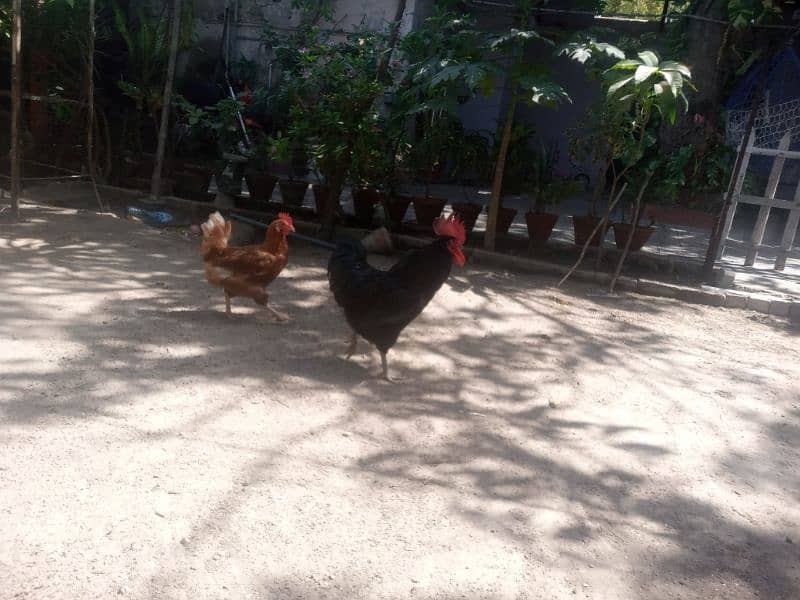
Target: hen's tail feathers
216,233
378,242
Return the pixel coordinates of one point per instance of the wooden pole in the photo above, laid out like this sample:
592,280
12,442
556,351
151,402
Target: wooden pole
90,107
16,107
155,185
663,21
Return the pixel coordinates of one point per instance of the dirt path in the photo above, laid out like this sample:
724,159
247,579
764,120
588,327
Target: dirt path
545,444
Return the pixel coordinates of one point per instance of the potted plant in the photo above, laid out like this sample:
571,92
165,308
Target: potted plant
260,182
640,94
373,171
601,138
446,66
472,161
332,87
546,188
289,152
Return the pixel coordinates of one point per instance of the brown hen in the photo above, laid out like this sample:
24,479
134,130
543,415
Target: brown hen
245,270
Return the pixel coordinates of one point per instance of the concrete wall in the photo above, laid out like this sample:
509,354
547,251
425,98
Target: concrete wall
478,114
253,15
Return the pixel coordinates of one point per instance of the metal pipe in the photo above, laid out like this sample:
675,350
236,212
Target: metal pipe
294,236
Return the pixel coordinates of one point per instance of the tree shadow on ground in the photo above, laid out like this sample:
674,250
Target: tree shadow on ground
489,359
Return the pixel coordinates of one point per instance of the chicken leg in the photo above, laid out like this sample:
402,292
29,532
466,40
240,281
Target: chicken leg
227,302
238,286
352,345
283,318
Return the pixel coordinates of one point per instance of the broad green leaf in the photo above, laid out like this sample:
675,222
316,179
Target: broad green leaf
626,65
649,58
517,36
643,72
615,87
610,50
671,65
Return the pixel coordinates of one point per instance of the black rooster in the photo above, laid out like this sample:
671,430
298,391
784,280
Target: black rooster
378,304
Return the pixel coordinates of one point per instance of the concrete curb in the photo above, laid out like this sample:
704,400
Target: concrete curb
705,295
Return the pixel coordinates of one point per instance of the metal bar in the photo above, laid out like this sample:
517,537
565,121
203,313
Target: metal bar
297,236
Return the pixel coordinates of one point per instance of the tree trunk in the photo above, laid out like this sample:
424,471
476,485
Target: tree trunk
90,108
394,34
155,185
588,241
634,223
16,107
497,183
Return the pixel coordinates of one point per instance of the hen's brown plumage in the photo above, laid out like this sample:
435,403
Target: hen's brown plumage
245,270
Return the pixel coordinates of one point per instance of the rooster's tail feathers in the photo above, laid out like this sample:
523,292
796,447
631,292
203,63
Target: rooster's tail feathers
216,232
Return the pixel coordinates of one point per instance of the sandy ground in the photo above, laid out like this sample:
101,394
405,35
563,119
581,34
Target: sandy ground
544,444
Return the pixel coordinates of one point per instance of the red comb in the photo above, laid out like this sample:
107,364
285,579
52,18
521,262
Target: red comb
286,218
451,226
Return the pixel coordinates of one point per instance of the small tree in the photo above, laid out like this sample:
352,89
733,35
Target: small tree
527,82
637,93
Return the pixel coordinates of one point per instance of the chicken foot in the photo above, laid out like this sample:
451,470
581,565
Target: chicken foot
352,345
385,369
236,286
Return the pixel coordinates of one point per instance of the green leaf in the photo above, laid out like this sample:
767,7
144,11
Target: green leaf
615,87
671,65
626,65
517,36
610,50
649,58
643,72
668,106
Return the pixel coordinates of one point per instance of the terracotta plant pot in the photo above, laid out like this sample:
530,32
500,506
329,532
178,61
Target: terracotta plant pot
640,237
468,212
322,197
192,184
261,185
505,217
583,226
398,205
364,201
428,209
540,226
293,192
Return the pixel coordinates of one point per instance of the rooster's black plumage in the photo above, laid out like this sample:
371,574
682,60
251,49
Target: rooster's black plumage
379,304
